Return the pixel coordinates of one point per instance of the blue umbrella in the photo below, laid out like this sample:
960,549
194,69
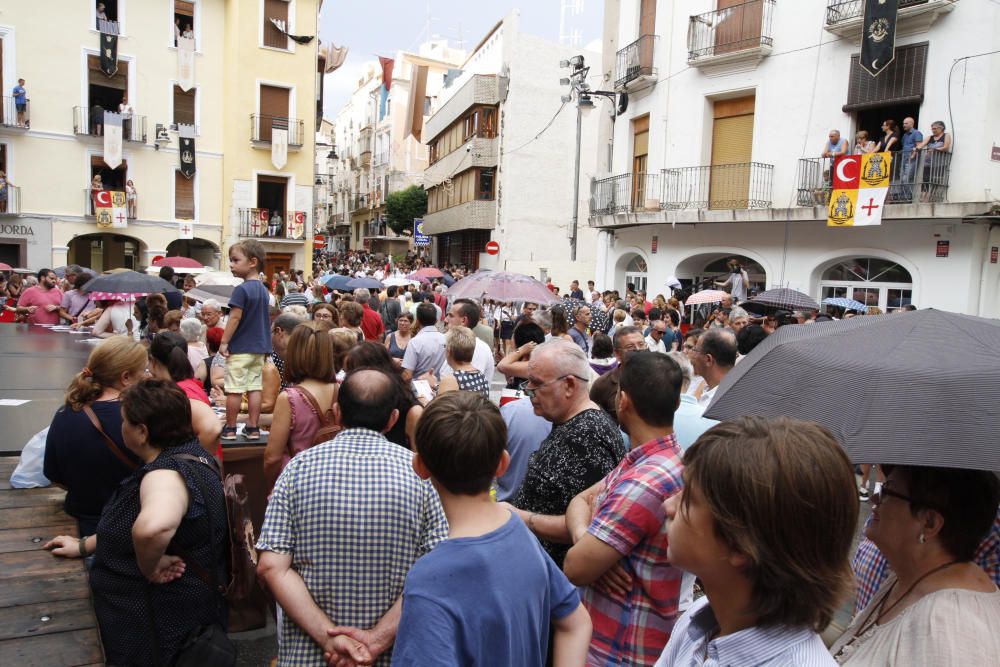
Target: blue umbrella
367,282
447,279
846,304
337,282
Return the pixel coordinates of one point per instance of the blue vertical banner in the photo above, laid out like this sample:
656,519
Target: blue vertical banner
419,238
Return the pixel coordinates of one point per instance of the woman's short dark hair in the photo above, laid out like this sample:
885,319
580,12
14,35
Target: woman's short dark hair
528,332
967,500
170,349
601,346
750,337
782,493
163,408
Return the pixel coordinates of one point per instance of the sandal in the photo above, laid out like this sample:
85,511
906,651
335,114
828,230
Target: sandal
228,433
251,432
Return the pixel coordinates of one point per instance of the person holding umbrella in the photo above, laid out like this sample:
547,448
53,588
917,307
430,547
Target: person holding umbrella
938,608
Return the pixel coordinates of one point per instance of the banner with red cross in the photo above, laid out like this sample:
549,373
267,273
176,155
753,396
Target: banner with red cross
860,186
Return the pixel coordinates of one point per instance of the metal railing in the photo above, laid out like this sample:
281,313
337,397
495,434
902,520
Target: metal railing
357,202
635,60
845,10
131,210
12,116
10,200
92,125
737,28
724,186
261,126
923,178
261,223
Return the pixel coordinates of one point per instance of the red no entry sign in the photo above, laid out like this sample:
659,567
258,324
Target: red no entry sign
492,248
319,242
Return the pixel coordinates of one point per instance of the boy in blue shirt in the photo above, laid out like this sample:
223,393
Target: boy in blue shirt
247,338
486,595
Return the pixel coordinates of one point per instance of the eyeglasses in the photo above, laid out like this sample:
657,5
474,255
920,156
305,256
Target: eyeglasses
531,391
883,492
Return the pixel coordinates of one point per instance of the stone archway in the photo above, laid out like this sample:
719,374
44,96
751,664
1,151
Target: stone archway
102,252
200,250
706,267
631,268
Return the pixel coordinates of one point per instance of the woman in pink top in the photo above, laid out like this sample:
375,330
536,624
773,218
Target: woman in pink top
305,407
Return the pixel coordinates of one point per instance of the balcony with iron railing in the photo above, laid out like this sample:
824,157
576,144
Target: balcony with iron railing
920,179
89,203
634,68
262,126
723,186
261,223
87,124
13,115
739,33
10,200
844,17
357,203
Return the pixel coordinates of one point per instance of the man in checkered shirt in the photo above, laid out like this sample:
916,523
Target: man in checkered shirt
619,551
345,523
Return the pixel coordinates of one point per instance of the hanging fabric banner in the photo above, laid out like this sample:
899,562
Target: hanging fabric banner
878,36
185,134
296,226
112,139
415,109
387,65
860,185
283,29
279,141
185,63
185,229
102,209
119,212
334,56
109,51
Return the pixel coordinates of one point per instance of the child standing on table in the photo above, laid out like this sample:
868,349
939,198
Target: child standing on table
246,341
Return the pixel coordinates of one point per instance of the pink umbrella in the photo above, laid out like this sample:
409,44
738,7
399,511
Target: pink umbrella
502,286
705,296
179,265
6,267
425,274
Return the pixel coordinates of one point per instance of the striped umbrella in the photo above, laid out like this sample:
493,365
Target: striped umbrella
846,304
914,388
786,299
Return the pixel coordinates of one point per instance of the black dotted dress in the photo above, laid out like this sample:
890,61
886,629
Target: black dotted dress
119,587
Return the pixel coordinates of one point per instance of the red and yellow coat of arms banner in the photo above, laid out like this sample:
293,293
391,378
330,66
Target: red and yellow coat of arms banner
860,186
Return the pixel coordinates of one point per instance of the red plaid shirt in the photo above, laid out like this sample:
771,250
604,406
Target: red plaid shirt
632,629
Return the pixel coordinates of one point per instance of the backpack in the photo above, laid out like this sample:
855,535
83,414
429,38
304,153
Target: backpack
327,427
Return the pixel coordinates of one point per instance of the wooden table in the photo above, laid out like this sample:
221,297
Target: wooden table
46,615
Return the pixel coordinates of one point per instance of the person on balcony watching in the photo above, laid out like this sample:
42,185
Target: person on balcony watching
274,224
935,163
21,103
891,139
911,138
862,144
835,147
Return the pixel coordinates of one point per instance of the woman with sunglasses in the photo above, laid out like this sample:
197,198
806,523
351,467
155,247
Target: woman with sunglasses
938,607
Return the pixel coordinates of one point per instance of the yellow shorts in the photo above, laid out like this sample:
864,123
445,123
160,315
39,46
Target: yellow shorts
244,372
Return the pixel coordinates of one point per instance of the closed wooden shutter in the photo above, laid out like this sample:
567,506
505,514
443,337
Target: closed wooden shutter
738,28
732,152
275,9
183,197
96,77
640,153
273,102
902,82
184,7
184,104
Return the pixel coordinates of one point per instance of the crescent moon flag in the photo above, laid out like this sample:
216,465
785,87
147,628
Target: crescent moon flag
860,186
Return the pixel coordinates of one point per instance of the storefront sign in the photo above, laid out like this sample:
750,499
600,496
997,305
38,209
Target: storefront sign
943,247
16,230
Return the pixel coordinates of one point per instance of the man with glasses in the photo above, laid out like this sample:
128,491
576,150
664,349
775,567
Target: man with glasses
713,357
583,446
626,340
654,341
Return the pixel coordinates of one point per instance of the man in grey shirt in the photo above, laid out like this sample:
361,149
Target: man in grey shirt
425,351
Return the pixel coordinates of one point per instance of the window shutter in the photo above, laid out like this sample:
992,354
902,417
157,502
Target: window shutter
902,82
183,197
184,104
275,9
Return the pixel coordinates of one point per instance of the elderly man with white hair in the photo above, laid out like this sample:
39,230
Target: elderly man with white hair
211,314
584,445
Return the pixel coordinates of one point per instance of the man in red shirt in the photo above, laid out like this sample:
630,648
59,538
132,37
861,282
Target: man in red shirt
41,302
371,321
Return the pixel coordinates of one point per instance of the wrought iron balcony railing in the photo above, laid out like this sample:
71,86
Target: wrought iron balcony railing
89,203
922,178
725,186
736,28
14,115
90,122
635,60
10,200
261,126
845,10
261,223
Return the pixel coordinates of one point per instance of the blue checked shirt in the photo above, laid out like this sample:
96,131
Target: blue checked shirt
777,646
355,517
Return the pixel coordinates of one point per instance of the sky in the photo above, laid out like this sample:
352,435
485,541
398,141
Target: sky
381,27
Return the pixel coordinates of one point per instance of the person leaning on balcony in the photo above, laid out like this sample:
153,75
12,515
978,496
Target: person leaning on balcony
933,146
862,144
892,139
835,146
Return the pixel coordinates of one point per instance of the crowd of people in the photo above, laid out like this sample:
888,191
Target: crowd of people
582,510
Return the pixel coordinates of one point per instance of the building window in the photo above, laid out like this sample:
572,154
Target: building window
183,196
481,123
107,10
277,10
104,93
183,20
484,189
871,280
184,105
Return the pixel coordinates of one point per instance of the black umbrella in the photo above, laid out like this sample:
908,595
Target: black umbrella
915,388
785,299
203,293
61,271
129,282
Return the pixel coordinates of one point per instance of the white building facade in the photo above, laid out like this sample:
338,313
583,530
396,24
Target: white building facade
502,161
717,155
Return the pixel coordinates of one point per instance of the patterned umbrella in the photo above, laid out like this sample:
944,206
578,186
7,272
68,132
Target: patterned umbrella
786,299
705,296
502,286
846,304
892,388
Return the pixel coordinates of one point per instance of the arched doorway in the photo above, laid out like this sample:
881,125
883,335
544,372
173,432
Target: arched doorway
631,269
199,250
702,270
103,252
871,280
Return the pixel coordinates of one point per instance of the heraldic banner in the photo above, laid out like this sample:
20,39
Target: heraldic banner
295,226
878,36
102,209
185,63
119,214
109,53
279,142
185,133
112,139
860,185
